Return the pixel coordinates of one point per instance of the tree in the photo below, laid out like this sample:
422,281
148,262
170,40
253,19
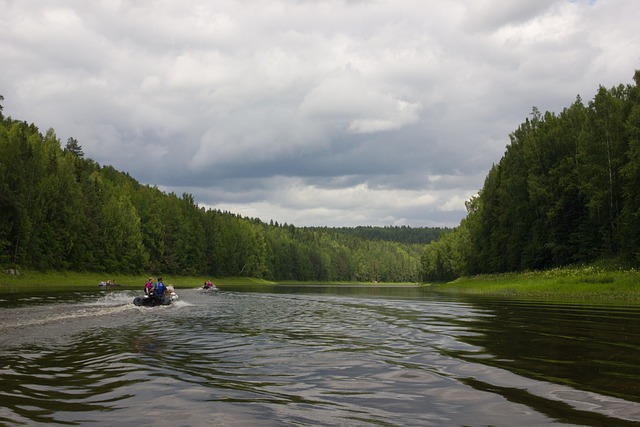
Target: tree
74,148
629,223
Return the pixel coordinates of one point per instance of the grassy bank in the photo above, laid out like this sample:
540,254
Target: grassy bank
587,282
72,280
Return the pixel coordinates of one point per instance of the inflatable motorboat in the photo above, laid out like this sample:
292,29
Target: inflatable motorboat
151,300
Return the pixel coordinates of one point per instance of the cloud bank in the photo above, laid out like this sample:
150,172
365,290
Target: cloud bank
326,112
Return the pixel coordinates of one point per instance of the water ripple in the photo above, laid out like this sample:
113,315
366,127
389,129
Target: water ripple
246,358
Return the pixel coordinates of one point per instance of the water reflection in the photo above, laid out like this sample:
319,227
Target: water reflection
595,348
318,355
48,386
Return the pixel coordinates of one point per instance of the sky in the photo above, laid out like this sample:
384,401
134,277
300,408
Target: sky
309,112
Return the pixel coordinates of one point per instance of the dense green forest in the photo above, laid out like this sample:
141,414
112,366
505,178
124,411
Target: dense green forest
566,191
62,211
401,234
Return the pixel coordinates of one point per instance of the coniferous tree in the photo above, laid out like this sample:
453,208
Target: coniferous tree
566,190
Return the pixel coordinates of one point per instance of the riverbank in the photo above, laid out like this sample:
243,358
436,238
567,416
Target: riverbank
35,280
586,282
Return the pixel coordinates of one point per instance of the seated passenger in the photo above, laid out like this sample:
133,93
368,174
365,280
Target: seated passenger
149,286
159,289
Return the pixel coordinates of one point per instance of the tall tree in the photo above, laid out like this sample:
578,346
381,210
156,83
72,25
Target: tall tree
74,148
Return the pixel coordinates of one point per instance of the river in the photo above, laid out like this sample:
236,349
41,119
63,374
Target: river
316,356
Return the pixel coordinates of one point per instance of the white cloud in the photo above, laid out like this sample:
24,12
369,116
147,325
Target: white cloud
303,203
343,97
325,112
490,15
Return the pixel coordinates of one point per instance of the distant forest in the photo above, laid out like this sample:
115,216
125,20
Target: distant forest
62,211
566,191
400,234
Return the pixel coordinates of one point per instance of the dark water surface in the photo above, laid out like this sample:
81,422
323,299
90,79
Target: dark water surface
315,356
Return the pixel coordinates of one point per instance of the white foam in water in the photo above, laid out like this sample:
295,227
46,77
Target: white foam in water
181,303
45,315
103,307
114,298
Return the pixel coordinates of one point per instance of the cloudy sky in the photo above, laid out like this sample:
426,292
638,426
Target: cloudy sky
309,112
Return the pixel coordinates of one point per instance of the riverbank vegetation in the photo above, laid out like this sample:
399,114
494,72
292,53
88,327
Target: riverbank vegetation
33,280
55,280
566,192
595,282
599,281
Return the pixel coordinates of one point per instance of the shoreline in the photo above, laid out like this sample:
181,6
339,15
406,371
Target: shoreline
78,280
570,283
590,282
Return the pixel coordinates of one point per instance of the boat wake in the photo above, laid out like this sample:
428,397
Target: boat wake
35,323
22,317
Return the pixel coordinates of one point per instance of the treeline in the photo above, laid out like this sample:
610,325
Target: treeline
566,191
62,211
400,234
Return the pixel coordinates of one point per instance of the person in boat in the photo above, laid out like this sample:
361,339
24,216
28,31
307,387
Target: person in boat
208,284
148,286
159,289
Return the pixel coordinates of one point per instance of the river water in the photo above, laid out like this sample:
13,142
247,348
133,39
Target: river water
315,356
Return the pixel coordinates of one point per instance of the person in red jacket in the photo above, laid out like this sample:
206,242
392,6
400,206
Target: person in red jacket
149,286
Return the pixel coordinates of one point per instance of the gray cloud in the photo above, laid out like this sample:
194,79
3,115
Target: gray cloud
328,112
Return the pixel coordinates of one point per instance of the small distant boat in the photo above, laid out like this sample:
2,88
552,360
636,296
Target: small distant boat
208,286
108,284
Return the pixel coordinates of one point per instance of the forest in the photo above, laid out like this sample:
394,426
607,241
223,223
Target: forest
62,211
565,192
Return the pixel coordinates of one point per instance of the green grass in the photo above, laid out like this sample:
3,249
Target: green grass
52,279
35,280
343,283
583,282
597,281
